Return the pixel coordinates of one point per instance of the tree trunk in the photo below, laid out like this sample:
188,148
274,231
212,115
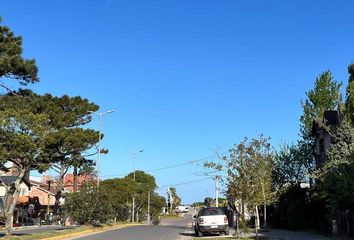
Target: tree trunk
59,192
265,216
11,197
75,178
265,205
137,215
256,219
243,208
238,226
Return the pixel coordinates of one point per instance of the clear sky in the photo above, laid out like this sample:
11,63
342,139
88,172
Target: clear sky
186,77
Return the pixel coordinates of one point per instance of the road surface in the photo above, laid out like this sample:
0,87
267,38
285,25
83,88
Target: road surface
169,229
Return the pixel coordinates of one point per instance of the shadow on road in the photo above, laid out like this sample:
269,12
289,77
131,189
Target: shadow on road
187,234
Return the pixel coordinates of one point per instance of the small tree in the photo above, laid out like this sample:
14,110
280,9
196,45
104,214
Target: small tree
156,205
249,174
89,206
176,199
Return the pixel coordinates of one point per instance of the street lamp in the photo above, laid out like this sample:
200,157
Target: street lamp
99,142
135,153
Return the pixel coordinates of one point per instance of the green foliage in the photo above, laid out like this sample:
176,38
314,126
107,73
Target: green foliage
12,64
89,206
300,208
145,181
208,201
63,112
176,199
336,178
66,142
324,96
349,103
121,191
22,138
292,165
156,205
62,146
197,204
292,208
250,168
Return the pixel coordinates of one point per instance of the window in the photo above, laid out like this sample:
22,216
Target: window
211,212
321,146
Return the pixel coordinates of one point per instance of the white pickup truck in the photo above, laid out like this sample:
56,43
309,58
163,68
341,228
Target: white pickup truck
211,220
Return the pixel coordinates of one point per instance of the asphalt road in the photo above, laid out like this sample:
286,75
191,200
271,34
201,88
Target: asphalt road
169,229
141,233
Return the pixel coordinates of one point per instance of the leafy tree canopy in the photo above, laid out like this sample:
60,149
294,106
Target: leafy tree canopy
63,112
349,103
145,181
23,135
12,63
336,178
324,96
292,165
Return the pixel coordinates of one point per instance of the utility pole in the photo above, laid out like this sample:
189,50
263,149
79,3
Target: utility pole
148,217
99,143
170,199
135,153
216,191
48,207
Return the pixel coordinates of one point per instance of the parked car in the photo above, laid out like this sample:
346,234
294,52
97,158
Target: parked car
211,220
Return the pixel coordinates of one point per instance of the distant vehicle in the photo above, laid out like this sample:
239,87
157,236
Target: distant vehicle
182,209
211,220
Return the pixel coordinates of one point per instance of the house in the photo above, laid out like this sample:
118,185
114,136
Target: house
323,130
6,181
46,197
81,180
21,209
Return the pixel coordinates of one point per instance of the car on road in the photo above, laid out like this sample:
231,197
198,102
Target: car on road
211,220
182,209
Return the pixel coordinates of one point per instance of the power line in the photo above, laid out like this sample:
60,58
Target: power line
184,183
166,167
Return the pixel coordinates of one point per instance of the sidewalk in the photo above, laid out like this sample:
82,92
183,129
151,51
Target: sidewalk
282,234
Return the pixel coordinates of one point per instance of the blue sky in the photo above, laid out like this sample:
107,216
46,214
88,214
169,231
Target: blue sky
186,78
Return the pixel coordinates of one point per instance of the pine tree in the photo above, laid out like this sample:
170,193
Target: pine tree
12,64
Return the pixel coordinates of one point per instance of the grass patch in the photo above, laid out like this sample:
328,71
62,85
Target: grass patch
59,234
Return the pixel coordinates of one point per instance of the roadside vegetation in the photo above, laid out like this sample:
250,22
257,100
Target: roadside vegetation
68,233
282,183
111,202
